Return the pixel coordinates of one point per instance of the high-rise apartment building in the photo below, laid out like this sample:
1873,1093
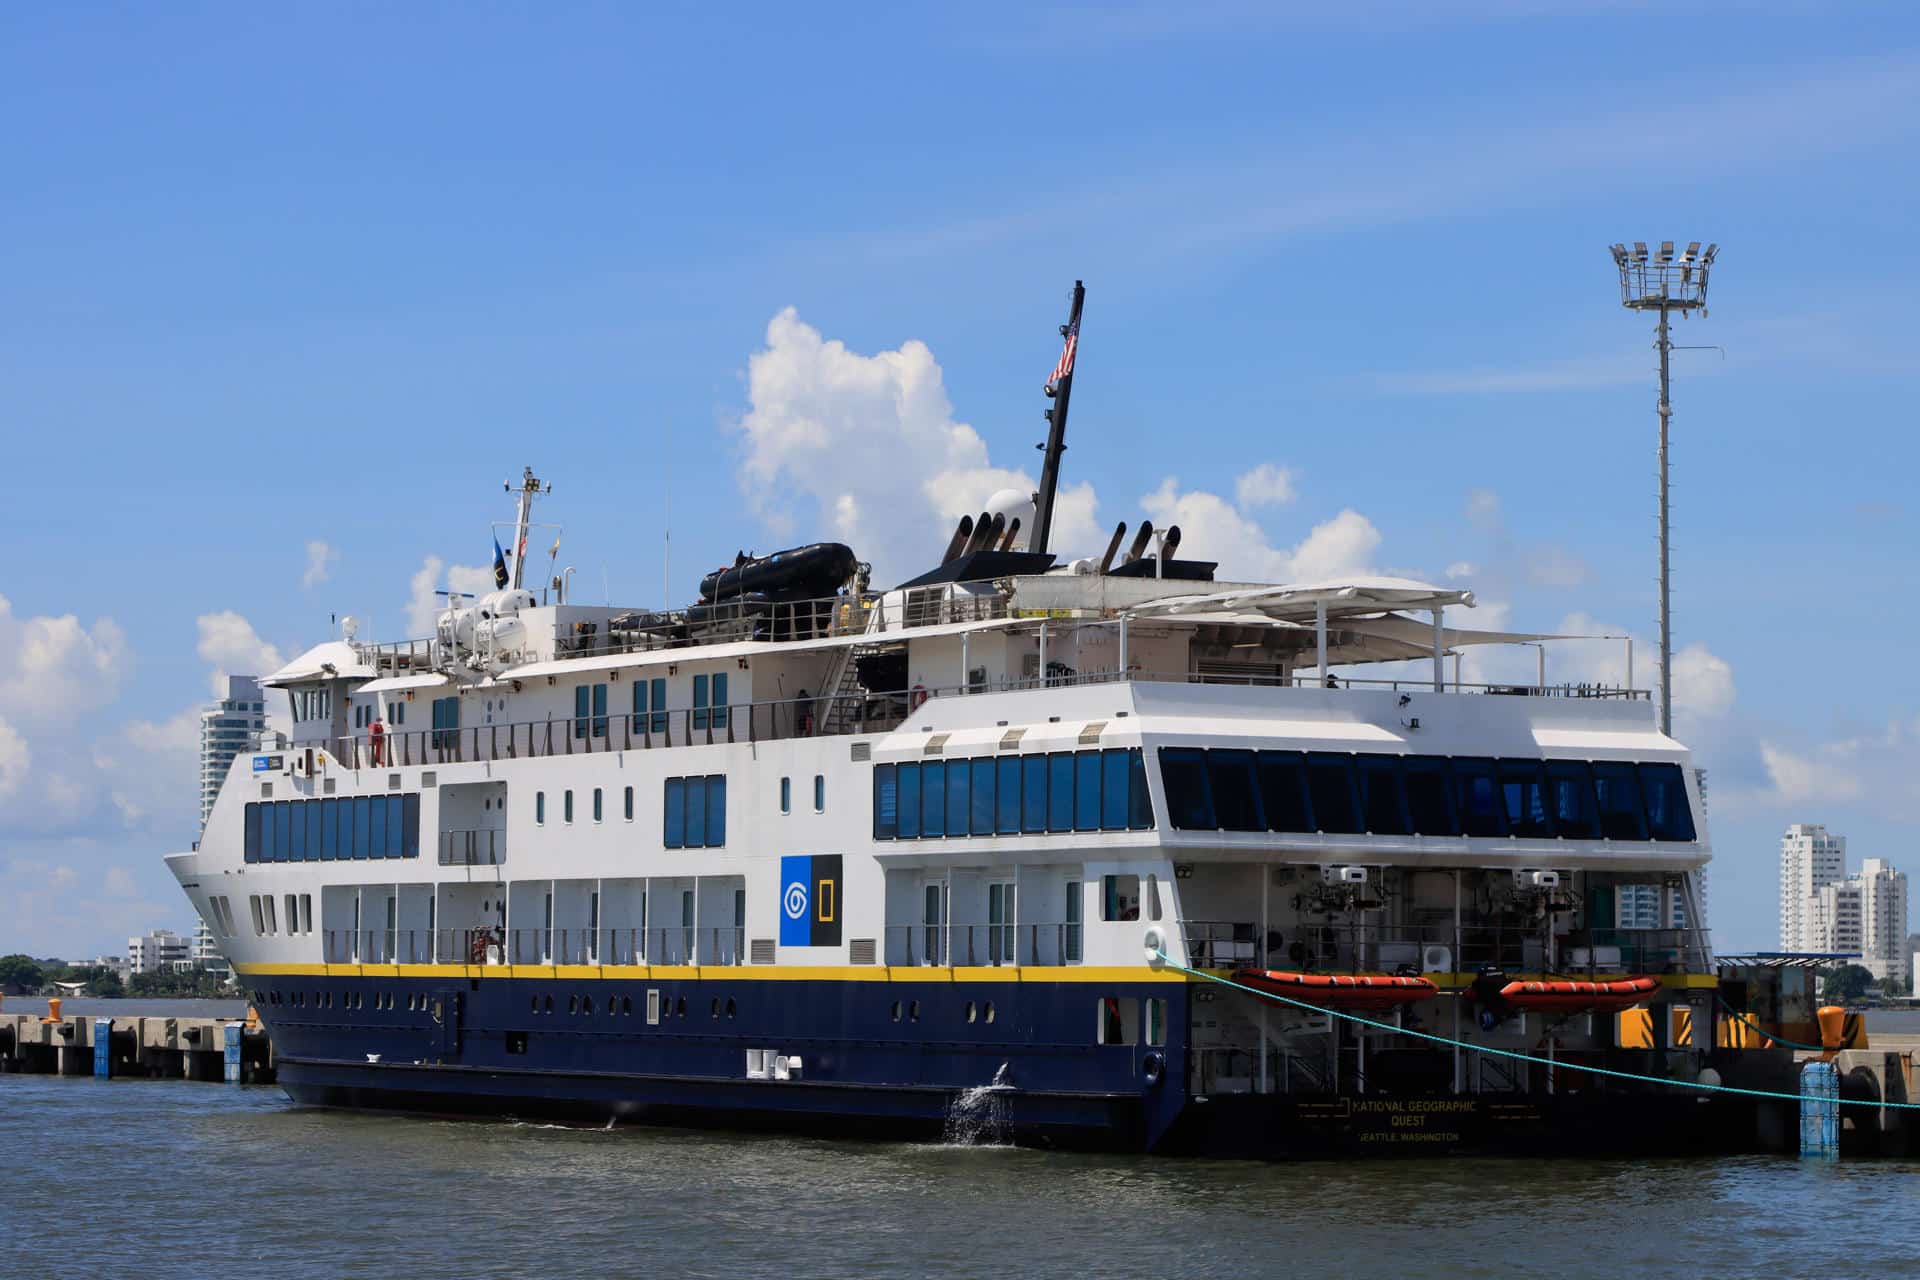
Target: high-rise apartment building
1810,859
1833,919
158,951
1883,919
227,728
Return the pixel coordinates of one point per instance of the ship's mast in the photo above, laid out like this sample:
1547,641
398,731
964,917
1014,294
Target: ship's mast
1060,389
529,489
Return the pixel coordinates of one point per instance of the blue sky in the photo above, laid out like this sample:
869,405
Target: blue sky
329,274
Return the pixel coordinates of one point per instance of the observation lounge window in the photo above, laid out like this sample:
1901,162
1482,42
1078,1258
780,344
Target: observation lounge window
1617,788
1523,796
1383,800
1665,789
1570,799
987,795
1330,782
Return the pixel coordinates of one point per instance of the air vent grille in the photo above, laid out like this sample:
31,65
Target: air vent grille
429,779
1011,739
761,951
1091,734
861,752
861,951
936,744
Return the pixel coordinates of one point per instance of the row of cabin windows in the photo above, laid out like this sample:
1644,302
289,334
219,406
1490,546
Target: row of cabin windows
1343,794
331,830
266,921
311,704
1009,795
694,809
590,718
819,794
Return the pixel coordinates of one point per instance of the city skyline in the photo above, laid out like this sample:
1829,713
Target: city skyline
1349,308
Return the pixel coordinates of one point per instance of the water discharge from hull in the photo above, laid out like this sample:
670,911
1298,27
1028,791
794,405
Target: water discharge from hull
977,1117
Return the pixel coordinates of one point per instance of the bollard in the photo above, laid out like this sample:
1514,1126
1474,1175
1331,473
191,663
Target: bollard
53,1009
1819,1111
233,1053
103,1048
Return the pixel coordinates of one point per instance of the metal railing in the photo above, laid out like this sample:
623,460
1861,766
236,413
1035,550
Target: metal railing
1037,942
482,848
706,945
1364,948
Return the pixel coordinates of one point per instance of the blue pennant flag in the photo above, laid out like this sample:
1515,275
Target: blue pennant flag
499,563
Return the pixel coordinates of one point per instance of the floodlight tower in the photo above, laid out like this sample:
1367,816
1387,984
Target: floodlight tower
1664,283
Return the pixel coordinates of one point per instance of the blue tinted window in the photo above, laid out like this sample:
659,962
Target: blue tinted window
1523,794
659,696
1060,792
1668,815
1183,776
396,827
1477,793
1570,800
1617,791
983,796
1007,799
311,809
539,808
1113,789
1429,796
959,789
699,702
933,798
674,807
1236,799
1086,791
252,846
1382,804
1139,799
1033,793
886,802
282,830
696,812
909,801
1283,791
1330,783
720,700
329,829
582,700
410,832
599,711
361,839
716,810
639,721
377,827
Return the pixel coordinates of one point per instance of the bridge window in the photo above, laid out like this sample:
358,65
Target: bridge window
959,788
1617,790
1230,782
1033,803
1382,798
1477,786
1523,795
1668,817
1060,791
933,798
1007,797
1065,791
1570,800
1429,798
886,802
909,800
1086,791
985,778
1330,784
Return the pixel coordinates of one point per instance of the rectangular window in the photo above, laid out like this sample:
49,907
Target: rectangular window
1476,787
329,830
719,717
699,702
377,827
1156,1022
251,848
886,802
628,802
1086,791
446,723
599,711
310,810
1007,796
716,810
566,806
1120,897
362,838
981,788
1617,790
598,813
1113,789
283,831
410,827
1232,783
933,798
786,795
819,793
293,914
1668,815
266,905
658,687
396,827
696,813
959,789
1033,799
259,921
539,808
909,801
1153,897
1523,796
1119,1020
1075,896
639,722
1283,791
674,807
1570,800
1139,799
1330,783
1060,791
1383,802
1183,773
1429,796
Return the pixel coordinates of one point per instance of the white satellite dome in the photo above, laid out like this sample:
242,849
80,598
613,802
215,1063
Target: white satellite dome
1012,504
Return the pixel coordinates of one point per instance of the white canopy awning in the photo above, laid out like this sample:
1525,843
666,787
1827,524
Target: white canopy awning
1301,602
333,660
393,684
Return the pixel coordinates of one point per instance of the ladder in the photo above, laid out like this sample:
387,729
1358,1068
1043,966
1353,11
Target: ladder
844,695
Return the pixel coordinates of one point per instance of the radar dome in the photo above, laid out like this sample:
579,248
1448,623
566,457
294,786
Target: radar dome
1012,504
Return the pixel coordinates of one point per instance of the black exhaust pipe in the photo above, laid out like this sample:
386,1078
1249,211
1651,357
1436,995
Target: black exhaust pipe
1139,544
1013,528
959,539
1113,546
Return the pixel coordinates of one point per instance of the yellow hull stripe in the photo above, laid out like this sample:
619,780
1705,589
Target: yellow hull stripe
822,973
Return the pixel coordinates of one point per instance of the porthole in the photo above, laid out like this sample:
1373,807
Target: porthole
549,1004
626,1006
714,1011
536,1004
731,1007
586,1004
680,1007
573,1004
972,1013
913,1012
896,1011
989,1011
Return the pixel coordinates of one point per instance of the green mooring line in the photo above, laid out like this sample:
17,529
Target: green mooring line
1514,1054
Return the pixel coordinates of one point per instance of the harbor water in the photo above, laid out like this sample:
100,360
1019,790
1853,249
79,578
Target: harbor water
164,1178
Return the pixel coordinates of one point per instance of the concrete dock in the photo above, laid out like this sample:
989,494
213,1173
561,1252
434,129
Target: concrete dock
234,1051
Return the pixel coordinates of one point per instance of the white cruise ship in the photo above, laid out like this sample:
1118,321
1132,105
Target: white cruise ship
810,854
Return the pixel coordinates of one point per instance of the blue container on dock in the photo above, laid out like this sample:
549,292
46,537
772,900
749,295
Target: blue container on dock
103,1048
233,1053
1820,1111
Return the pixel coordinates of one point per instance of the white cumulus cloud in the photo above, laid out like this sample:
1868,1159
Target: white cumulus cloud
424,599
53,668
321,558
1211,528
1264,486
229,642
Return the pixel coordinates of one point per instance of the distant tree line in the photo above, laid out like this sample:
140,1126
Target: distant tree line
22,975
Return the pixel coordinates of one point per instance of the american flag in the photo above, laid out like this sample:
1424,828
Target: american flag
1065,367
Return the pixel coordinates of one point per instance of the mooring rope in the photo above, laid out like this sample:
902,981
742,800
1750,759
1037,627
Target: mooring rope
1515,1054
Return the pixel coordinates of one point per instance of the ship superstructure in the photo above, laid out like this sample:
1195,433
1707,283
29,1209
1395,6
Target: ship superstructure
811,853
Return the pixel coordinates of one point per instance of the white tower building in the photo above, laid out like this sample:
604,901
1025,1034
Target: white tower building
1810,859
227,728
1883,918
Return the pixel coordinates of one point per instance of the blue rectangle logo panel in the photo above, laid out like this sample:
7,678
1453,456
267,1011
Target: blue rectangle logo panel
796,901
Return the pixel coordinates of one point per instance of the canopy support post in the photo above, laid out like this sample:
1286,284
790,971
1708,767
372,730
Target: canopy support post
1123,646
1439,651
1320,638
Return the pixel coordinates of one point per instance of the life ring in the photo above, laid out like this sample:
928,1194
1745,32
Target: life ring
378,734
916,697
